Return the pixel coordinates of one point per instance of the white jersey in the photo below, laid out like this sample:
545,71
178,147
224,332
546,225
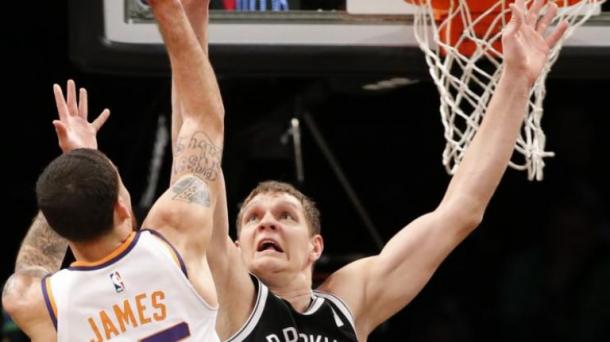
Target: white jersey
140,292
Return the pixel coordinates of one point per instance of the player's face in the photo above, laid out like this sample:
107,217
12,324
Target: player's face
275,236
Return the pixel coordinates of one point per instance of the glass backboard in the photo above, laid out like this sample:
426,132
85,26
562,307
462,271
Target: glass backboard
294,38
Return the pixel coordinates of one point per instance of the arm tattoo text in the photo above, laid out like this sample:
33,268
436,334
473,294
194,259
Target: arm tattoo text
197,154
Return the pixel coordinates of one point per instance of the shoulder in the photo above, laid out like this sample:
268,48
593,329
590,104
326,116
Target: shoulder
258,315
183,213
261,297
347,290
348,282
338,305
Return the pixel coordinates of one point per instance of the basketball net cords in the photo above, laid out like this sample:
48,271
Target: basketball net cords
457,91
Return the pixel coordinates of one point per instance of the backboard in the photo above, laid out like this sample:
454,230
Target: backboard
361,37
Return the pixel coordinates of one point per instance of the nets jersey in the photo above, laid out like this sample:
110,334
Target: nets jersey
140,292
328,319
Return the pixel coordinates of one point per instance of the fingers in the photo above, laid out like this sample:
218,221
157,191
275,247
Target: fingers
544,23
517,19
101,119
554,37
546,20
83,103
60,102
534,11
71,98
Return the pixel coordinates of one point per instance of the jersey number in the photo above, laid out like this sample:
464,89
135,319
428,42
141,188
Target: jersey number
175,333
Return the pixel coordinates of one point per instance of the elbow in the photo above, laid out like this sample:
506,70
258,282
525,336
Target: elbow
218,123
465,214
215,109
205,114
10,304
219,111
471,213
14,293
214,120
466,223
215,113
473,220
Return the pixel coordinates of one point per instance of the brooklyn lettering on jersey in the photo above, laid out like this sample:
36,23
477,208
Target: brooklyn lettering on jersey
133,312
292,335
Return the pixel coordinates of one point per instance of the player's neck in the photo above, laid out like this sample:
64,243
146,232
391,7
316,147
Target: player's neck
296,290
101,247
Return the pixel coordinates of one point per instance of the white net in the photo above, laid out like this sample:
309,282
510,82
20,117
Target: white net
466,65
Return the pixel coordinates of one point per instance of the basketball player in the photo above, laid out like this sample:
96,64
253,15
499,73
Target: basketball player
279,231
149,285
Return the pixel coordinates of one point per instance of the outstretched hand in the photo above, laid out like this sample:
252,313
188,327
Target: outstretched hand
73,129
526,46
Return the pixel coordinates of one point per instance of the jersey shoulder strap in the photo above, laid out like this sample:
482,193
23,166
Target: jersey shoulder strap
262,292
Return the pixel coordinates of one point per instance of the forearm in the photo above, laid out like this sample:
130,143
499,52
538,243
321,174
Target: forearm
42,249
198,15
489,152
199,95
217,250
176,115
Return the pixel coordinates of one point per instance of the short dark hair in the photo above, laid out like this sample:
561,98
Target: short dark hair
77,192
311,212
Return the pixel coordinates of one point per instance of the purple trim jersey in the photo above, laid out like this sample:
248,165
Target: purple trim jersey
140,292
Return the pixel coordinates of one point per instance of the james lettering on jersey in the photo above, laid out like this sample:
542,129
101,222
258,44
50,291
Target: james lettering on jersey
119,299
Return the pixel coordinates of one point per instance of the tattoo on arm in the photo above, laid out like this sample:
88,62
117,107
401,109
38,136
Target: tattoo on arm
192,190
42,248
197,154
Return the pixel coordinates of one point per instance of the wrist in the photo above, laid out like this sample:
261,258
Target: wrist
517,77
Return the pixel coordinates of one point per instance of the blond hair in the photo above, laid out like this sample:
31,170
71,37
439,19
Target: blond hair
311,212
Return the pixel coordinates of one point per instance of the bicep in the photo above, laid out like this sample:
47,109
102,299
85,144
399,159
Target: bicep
184,214
234,286
408,261
378,287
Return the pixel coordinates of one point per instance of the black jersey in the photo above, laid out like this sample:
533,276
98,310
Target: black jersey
327,319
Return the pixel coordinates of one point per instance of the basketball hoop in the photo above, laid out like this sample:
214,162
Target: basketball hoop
462,43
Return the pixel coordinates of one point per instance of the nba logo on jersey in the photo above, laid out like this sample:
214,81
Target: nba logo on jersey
117,281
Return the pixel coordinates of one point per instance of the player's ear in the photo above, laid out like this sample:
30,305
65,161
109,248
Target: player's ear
121,211
317,247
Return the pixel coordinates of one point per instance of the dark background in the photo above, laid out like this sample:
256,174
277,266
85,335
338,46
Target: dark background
537,268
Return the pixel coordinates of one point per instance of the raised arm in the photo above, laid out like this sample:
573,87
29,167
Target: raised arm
183,214
197,12
378,287
42,250
234,288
